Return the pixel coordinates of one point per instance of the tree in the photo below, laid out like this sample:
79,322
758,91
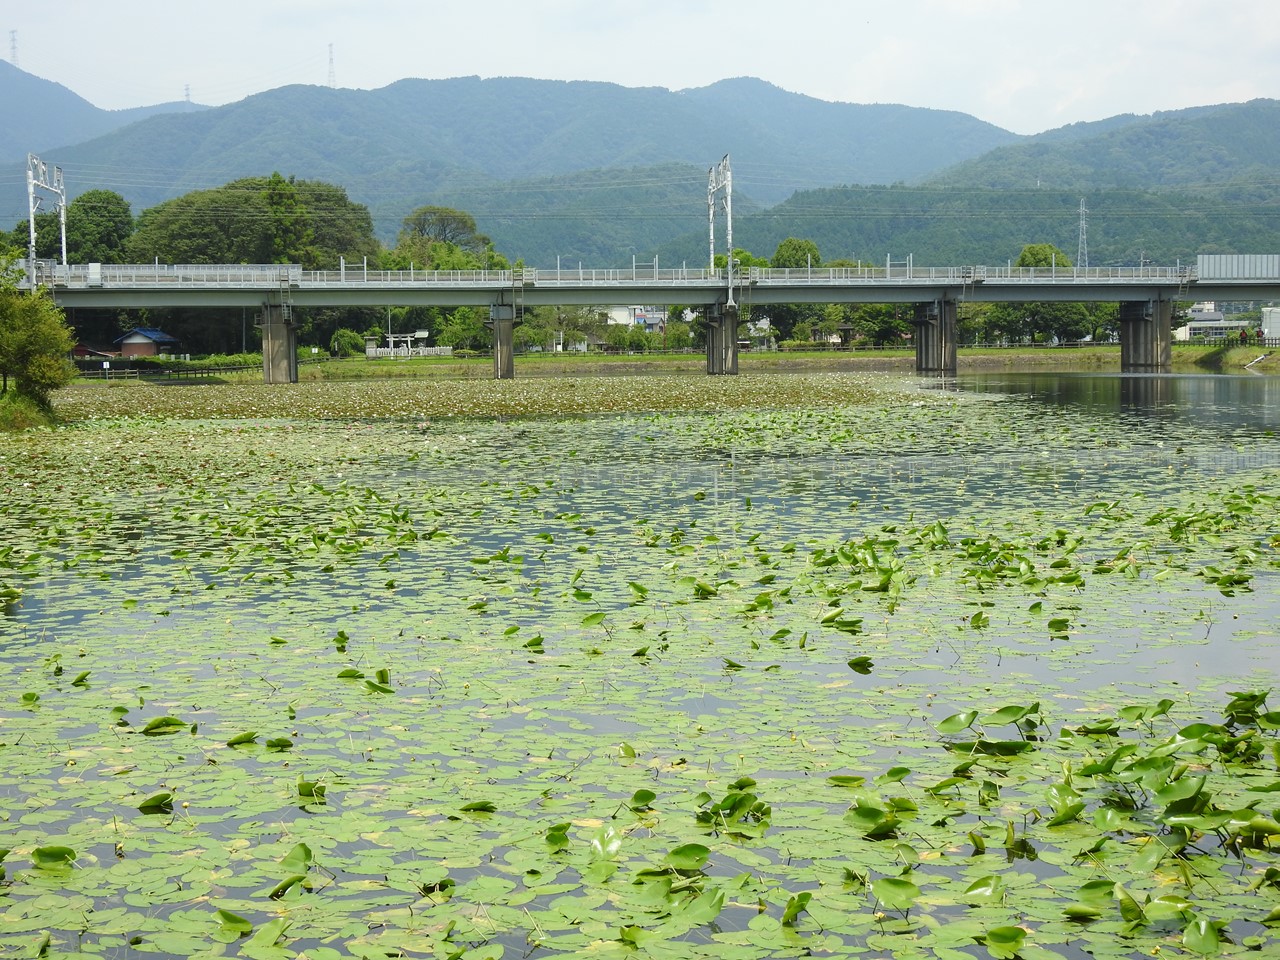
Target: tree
793,252
289,234
256,220
99,223
1044,320
880,323
464,329
35,341
346,343
442,225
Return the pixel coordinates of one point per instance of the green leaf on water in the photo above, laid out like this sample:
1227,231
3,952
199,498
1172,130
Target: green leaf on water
285,885
985,888
161,802
895,893
54,856
1203,937
796,905
846,780
689,856
1003,943
299,859
164,726
233,923
957,722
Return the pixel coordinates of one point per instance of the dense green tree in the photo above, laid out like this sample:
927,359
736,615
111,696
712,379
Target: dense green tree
464,329
881,324
1042,255
794,252
99,223
255,220
1039,321
289,230
443,225
346,343
35,341
677,335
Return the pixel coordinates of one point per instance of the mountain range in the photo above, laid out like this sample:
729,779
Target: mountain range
599,173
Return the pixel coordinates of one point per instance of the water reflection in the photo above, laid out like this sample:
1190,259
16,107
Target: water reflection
1217,402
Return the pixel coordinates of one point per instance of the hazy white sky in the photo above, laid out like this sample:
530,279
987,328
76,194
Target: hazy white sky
1025,65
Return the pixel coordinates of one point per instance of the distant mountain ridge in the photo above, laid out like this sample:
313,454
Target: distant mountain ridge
578,171
400,146
39,115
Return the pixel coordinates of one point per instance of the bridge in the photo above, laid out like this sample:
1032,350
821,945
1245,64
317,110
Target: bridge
1146,294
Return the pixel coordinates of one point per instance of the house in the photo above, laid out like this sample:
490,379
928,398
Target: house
652,318
147,342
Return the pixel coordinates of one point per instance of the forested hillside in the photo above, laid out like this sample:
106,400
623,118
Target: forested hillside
946,226
1204,145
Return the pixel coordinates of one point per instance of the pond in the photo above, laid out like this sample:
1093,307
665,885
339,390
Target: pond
801,665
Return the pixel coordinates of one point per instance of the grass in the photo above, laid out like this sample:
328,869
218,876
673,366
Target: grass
19,413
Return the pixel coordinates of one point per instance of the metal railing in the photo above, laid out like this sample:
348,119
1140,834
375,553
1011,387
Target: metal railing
275,276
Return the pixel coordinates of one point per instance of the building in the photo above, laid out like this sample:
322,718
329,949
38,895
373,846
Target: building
147,342
1206,322
653,319
1271,323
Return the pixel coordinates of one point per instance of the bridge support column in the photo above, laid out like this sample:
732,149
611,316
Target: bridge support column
935,338
279,345
1146,338
502,321
722,339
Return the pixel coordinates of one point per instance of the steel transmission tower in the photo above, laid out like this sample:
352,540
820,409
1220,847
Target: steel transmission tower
720,178
333,77
13,47
1082,251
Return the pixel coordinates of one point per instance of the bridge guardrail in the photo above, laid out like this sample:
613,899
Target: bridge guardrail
274,276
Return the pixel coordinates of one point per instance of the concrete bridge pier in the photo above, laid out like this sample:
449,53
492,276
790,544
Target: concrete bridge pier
935,338
279,344
502,321
1146,337
722,339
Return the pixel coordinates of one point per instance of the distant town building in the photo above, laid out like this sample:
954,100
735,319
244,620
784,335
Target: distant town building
1206,322
653,319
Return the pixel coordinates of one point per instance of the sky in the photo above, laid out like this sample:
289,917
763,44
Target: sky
1024,66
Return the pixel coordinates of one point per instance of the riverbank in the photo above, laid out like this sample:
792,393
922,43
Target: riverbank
1186,358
